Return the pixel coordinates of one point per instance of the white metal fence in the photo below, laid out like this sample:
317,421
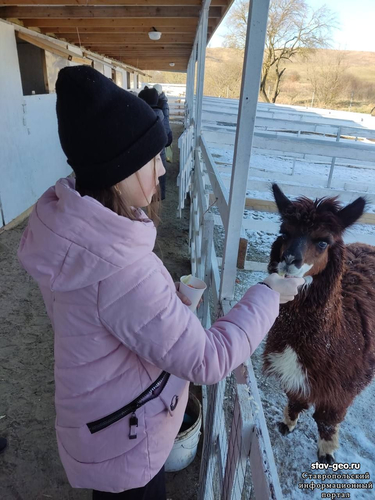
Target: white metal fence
186,146
236,442
236,439
298,135
235,464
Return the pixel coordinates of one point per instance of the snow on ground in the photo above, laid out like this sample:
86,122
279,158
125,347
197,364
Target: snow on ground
295,454
272,217
347,118
271,168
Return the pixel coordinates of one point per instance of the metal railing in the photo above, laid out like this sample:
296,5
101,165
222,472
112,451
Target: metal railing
236,444
237,456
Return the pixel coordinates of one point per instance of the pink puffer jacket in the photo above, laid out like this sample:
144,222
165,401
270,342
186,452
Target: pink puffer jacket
118,324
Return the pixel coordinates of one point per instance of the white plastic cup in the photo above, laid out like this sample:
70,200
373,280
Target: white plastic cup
193,292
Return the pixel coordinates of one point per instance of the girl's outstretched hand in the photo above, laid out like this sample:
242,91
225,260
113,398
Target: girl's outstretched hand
287,287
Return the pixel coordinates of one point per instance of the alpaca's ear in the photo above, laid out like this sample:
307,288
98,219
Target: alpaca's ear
281,200
352,212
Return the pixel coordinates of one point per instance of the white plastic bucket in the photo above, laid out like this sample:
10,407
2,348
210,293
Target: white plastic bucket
186,443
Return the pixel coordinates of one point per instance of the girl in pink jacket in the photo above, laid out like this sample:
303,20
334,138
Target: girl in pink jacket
126,346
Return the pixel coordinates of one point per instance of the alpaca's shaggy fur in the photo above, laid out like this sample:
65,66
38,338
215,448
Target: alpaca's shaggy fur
324,340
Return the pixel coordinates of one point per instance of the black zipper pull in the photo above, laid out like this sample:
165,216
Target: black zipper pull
133,422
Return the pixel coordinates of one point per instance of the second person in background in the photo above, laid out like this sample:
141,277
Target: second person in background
151,96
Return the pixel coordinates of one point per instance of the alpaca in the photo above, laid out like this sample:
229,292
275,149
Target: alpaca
322,345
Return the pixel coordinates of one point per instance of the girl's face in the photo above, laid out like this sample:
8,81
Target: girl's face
139,188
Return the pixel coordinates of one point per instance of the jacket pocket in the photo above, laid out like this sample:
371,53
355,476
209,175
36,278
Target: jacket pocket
109,443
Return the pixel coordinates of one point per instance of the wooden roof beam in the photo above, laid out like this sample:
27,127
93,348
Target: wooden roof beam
140,46
141,61
114,50
111,48
98,39
104,12
54,48
129,53
166,30
113,23
164,66
129,3
142,55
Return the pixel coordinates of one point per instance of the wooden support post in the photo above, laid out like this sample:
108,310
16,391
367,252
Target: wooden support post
242,250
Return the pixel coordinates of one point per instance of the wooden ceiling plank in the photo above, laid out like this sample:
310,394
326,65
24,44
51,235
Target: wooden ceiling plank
142,51
169,59
111,43
112,23
104,12
166,30
162,66
145,54
122,51
146,47
97,39
133,3
178,58
145,65
131,55
136,36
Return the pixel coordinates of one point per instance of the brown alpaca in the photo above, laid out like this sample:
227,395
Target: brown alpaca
322,345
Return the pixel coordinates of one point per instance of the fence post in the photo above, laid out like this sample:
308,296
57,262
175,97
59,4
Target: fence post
202,42
333,160
207,251
189,104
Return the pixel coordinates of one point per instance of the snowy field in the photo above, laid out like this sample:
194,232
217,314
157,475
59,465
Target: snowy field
294,454
298,172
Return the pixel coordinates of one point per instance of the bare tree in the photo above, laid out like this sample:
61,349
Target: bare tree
327,77
292,28
223,75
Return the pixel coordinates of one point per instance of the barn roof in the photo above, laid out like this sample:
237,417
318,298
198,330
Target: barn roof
118,29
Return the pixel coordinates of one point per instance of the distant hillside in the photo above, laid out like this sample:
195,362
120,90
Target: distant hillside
328,78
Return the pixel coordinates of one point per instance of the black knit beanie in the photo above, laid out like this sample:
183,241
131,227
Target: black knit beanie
106,133
150,96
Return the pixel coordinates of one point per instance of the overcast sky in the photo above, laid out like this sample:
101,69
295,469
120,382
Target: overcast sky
357,23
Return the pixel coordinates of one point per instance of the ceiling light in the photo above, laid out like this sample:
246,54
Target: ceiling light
155,34
171,64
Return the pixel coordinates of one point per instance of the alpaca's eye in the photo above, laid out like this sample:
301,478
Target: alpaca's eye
322,245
